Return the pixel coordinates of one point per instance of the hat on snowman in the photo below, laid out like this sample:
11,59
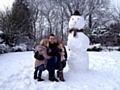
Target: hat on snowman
76,13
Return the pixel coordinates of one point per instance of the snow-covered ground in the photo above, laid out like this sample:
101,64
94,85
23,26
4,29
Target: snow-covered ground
16,73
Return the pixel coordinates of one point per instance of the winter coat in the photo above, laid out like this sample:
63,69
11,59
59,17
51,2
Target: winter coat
62,57
65,52
37,56
42,54
57,53
52,47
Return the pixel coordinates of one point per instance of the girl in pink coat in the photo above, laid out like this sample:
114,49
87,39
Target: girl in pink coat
41,59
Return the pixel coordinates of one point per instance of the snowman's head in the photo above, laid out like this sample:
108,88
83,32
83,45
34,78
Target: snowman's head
76,21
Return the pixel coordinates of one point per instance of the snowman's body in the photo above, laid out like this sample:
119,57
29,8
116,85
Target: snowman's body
78,59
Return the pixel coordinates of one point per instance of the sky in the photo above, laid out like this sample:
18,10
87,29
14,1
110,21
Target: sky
116,3
5,3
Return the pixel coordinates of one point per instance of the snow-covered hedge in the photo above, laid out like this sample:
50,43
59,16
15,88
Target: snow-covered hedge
19,48
99,47
112,48
4,48
95,47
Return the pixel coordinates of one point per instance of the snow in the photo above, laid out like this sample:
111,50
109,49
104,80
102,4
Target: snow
98,45
22,47
1,32
78,43
119,34
16,73
78,46
5,48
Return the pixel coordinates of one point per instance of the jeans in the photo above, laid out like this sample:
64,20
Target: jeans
62,65
40,68
51,65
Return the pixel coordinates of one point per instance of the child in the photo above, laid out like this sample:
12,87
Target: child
41,59
62,56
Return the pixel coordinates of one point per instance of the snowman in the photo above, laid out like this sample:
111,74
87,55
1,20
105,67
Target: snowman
77,43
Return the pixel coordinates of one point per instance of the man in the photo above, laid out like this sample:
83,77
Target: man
51,65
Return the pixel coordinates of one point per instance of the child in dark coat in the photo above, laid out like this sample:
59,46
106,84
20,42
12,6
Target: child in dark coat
41,59
62,56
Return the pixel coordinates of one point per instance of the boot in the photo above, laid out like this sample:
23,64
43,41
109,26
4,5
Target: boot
35,75
39,77
61,76
53,79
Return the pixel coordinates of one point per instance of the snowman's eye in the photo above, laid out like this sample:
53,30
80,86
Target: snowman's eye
77,18
72,18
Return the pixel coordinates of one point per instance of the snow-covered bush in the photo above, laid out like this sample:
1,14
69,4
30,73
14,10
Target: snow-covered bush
112,48
19,48
1,40
119,49
95,47
4,48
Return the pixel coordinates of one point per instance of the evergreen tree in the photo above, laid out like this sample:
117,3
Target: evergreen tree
16,23
21,19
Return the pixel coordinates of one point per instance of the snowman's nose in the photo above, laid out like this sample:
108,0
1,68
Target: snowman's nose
75,22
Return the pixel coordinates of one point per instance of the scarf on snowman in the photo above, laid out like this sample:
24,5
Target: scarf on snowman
75,31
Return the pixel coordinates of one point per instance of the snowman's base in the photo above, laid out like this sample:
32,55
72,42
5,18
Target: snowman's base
78,62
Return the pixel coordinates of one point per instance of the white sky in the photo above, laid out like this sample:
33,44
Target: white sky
116,3
5,3
8,3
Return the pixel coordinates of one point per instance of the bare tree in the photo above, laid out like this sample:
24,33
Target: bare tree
34,7
115,26
54,15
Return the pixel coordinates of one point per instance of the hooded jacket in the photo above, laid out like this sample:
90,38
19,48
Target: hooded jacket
42,52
